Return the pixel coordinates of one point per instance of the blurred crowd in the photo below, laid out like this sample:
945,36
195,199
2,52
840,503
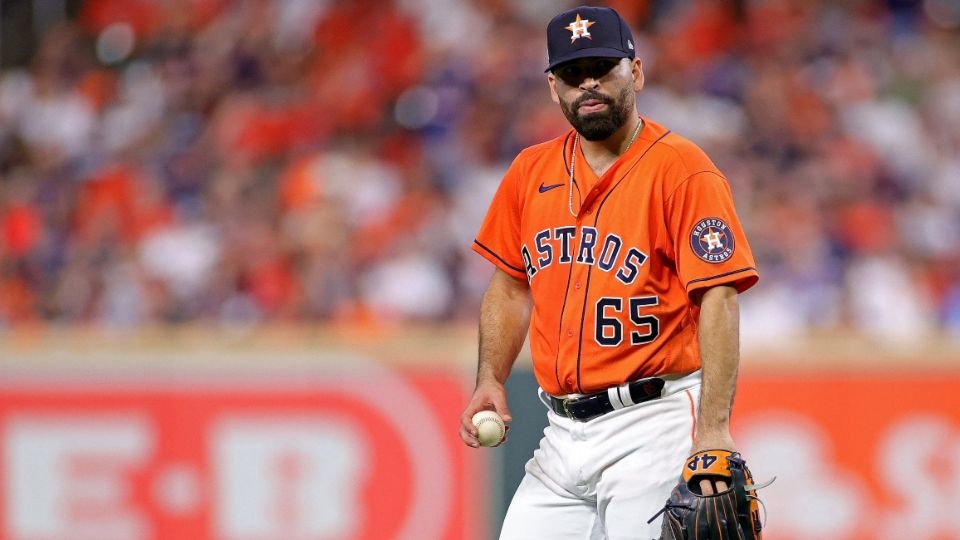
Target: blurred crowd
250,161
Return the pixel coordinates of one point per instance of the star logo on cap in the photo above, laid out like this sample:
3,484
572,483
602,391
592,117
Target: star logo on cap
579,28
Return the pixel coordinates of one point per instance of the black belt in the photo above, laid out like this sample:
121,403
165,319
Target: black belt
590,406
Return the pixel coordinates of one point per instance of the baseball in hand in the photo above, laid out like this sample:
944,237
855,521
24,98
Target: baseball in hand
490,428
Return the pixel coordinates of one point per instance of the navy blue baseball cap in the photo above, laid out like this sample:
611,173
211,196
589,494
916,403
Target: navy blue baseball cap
586,32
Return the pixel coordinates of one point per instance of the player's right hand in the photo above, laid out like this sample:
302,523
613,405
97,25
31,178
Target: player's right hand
489,396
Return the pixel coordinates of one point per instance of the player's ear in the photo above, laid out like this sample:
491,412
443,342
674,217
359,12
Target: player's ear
552,82
636,67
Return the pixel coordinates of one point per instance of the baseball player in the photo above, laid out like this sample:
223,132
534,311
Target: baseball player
617,246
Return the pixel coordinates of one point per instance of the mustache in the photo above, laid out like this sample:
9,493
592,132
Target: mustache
588,95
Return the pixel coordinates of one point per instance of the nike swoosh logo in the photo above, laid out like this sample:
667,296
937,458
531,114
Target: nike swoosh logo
544,189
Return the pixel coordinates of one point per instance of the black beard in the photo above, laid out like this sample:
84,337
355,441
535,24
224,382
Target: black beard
601,125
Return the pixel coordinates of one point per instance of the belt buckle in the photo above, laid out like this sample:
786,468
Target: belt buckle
566,409
570,415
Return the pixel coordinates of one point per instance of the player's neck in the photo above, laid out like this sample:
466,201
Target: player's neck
600,155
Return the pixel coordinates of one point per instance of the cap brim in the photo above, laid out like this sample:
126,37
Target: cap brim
597,52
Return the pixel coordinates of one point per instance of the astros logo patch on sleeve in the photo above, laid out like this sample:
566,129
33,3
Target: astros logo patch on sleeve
712,240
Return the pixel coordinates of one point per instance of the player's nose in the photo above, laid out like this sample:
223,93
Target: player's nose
589,83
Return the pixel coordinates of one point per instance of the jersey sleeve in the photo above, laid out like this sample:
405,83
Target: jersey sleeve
498,240
709,242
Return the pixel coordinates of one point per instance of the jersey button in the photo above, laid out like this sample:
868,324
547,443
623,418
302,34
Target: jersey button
576,285
589,211
569,333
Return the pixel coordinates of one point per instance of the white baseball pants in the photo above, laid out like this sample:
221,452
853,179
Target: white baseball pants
603,479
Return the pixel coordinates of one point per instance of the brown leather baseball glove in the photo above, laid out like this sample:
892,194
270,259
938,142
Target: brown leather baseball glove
733,514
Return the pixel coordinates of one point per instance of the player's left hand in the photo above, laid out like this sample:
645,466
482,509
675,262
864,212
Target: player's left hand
710,485
732,513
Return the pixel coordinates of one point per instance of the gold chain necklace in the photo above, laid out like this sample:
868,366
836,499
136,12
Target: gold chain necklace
573,161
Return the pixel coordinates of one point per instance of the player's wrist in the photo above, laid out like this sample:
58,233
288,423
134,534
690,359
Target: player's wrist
716,440
489,378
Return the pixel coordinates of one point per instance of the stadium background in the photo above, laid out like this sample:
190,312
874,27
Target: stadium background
237,299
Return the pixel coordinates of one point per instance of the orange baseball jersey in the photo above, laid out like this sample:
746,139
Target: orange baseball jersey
612,286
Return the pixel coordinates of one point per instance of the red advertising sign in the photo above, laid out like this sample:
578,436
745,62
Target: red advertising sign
369,453
359,454
857,456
